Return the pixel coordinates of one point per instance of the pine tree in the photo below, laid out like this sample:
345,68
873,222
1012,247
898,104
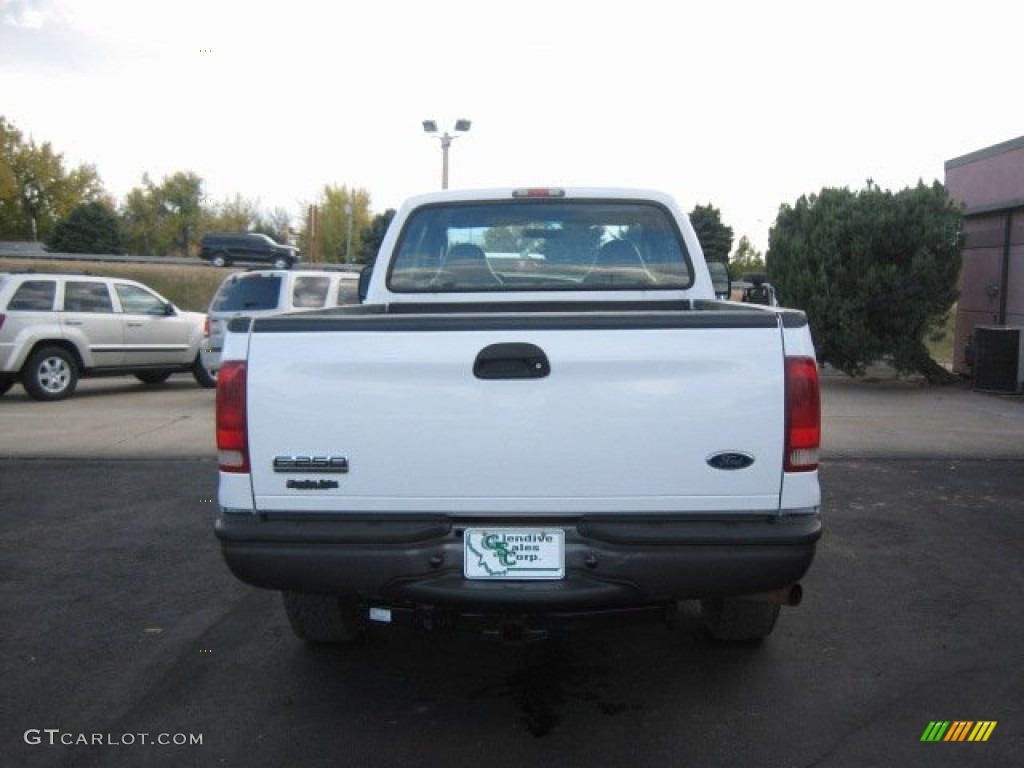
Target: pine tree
90,228
873,270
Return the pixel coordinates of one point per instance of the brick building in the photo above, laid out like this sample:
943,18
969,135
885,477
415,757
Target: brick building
990,184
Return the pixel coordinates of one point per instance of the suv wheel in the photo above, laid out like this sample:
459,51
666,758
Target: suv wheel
203,376
322,618
282,263
220,260
732,619
155,377
50,374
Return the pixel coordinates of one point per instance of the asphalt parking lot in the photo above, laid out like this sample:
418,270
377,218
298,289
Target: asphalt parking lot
120,621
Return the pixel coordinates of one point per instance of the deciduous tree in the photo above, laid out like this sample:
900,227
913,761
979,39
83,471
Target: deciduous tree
746,258
277,223
155,216
236,214
334,223
36,191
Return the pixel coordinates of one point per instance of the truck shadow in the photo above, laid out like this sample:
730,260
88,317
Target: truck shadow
571,681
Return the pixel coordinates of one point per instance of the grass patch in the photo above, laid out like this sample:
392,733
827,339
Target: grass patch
188,287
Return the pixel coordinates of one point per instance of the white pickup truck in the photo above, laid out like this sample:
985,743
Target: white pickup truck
538,413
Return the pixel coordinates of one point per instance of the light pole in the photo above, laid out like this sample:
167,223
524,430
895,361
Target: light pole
461,126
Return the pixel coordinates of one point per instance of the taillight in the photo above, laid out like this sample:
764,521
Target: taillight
803,414
2,318
206,327
232,440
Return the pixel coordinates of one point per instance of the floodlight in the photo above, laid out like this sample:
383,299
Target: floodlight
461,126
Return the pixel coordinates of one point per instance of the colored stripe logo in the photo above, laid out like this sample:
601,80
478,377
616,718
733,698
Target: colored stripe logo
958,730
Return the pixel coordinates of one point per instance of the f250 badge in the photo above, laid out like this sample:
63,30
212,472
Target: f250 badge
311,464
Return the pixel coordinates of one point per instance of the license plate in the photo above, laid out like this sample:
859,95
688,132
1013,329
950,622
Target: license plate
514,553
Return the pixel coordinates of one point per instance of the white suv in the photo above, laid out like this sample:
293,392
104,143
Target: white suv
270,292
56,328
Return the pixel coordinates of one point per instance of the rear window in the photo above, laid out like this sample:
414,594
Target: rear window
528,245
34,295
241,293
310,291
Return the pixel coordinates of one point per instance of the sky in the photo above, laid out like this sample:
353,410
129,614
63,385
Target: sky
741,105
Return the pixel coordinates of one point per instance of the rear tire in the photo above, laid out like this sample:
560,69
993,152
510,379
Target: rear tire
220,260
732,619
282,263
51,373
322,618
203,376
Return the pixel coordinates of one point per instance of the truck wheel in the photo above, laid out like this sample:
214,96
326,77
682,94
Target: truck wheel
731,619
203,376
51,373
321,618
220,260
282,263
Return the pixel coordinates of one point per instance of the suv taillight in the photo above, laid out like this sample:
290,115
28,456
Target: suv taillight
232,437
206,327
2,318
803,414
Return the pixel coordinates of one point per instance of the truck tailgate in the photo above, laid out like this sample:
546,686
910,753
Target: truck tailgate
663,412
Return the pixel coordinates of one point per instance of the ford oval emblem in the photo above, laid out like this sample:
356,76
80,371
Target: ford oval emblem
730,460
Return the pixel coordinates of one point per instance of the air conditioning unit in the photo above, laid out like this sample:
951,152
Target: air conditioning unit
998,359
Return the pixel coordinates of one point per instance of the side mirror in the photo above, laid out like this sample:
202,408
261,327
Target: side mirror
364,281
720,279
169,309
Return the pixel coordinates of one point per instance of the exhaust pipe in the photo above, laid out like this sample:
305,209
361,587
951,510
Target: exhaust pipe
791,595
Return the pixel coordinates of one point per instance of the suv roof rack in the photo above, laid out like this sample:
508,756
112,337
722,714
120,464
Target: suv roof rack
308,267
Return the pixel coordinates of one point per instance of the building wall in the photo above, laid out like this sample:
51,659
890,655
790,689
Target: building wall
990,185
990,177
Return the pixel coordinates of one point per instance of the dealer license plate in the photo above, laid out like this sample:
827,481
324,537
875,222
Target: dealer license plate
514,553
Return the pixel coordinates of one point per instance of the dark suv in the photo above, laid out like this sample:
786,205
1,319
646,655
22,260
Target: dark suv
223,249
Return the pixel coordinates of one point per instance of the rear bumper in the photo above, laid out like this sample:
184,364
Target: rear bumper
210,356
610,562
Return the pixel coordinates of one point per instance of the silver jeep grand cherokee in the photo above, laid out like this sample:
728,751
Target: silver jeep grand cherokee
56,328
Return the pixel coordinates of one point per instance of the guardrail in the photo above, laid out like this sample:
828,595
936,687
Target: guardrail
27,250
36,251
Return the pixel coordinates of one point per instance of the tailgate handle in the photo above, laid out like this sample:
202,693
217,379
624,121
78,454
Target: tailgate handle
511,361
